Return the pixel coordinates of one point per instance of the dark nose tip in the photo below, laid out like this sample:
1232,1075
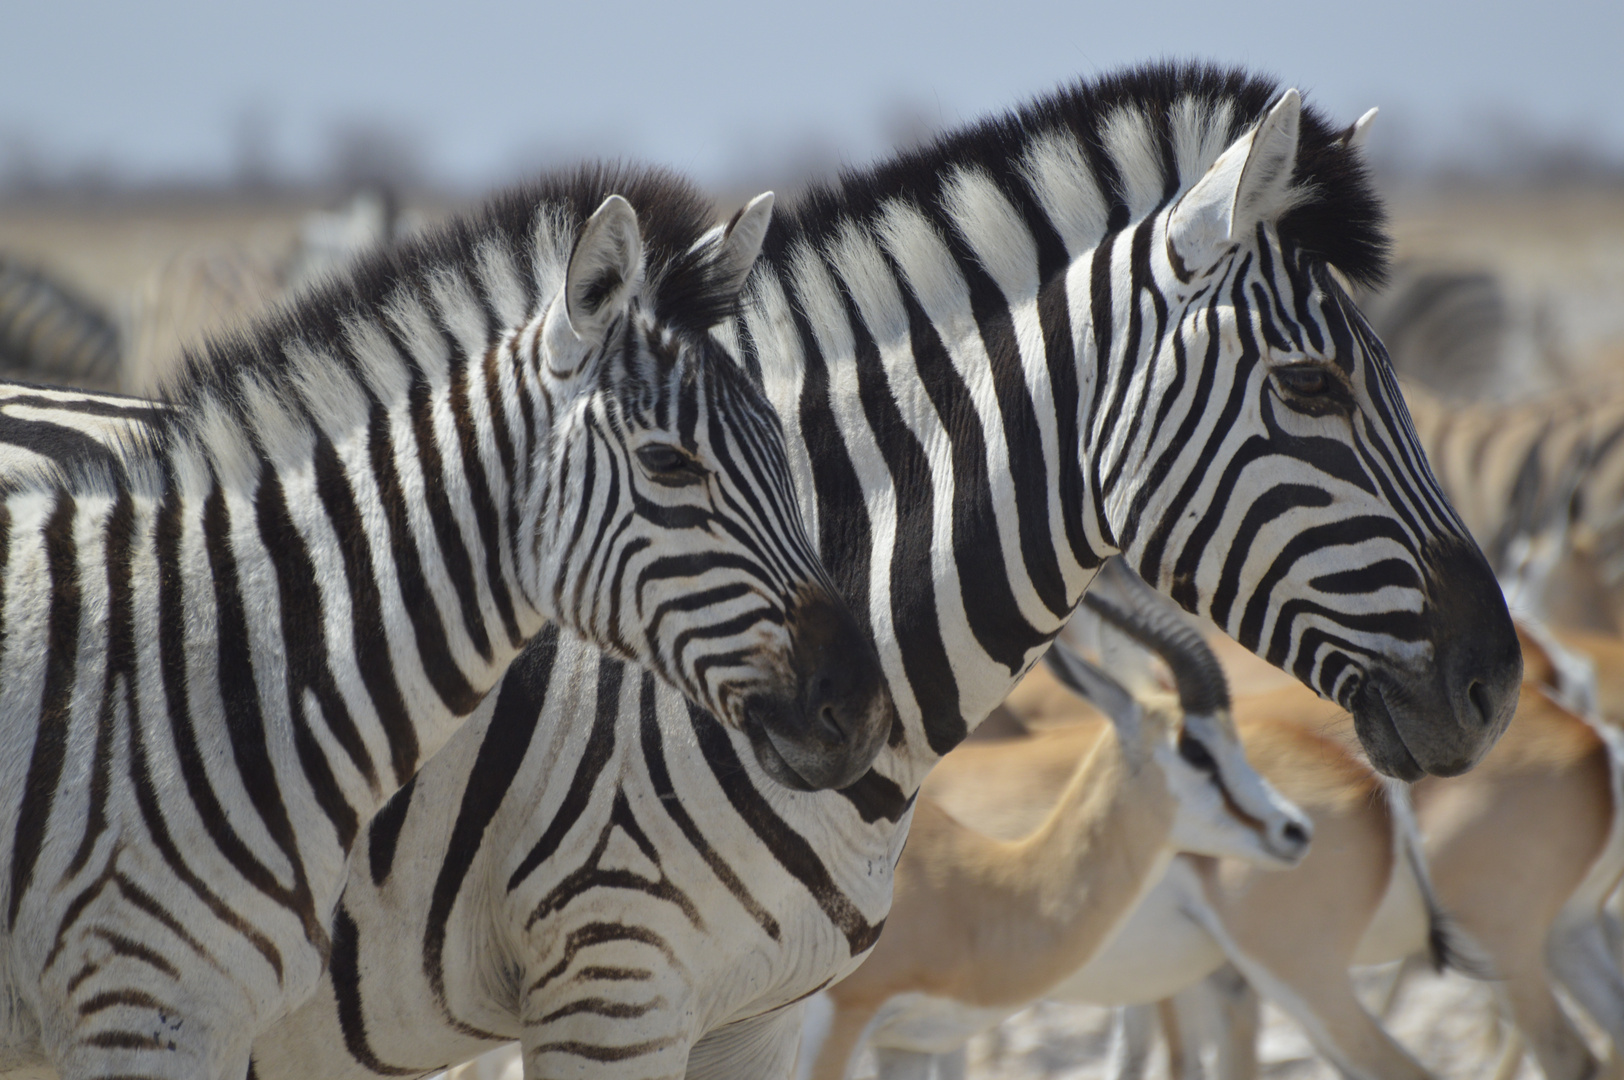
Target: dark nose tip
1295,834
1476,652
832,687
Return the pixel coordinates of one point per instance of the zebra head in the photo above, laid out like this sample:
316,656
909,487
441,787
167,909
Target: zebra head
1289,499
672,536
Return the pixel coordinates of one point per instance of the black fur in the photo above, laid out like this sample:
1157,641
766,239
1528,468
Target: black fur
1342,223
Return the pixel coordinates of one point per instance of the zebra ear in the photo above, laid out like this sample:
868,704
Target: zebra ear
605,273
1354,138
741,241
1250,182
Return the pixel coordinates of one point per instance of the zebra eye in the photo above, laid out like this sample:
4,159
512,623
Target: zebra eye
1306,380
670,466
1196,755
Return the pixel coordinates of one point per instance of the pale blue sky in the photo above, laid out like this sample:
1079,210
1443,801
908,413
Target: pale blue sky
158,90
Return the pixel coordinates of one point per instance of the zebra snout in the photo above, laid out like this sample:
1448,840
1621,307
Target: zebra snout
1440,715
828,730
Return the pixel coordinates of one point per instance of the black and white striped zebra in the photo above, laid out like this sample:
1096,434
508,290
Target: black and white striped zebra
49,333
59,432
1105,322
219,658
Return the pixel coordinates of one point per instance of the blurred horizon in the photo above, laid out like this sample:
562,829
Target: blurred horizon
190,96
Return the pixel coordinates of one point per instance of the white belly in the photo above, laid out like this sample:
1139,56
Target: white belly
1159,951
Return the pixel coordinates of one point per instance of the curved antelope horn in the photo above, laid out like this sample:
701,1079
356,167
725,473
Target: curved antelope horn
1093,684
1140,612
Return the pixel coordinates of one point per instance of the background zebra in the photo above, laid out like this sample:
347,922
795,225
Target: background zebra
1538,480
999,358
49,333
218,661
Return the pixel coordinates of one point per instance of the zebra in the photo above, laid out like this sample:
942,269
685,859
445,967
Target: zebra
50,333
218,660
1107,322
55,432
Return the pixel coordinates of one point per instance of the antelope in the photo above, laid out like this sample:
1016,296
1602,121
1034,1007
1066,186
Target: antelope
1522,852
980,927
1293,932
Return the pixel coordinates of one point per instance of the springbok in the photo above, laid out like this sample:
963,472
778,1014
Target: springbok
1360,881
980,927
1523,851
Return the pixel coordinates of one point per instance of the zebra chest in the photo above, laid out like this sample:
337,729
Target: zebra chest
723,914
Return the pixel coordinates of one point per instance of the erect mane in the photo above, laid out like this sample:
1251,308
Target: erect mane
682,286
1335,214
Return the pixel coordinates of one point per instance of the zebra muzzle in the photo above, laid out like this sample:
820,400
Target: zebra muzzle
828,730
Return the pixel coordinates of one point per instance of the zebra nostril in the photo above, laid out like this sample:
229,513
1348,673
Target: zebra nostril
1478,695
829,724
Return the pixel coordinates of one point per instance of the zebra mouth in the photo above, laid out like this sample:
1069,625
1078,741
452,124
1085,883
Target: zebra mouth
772,762
1379,734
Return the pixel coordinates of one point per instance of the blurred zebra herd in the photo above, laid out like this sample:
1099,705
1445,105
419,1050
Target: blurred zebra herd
1154,821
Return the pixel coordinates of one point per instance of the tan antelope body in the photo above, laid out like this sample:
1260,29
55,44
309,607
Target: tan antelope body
1523,851
1294,932
980,927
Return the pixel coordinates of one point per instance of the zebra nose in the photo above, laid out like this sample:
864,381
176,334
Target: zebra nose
833,687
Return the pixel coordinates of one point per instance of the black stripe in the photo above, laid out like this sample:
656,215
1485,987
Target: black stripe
1054,312
433,648
595,756
172,638
245,723
366,609
1150,564
51,738
520,700
454,557
1270,506
660,777
61,443
383,834
591,875
345,971
791,850
990,607
479,495
303,620
121,664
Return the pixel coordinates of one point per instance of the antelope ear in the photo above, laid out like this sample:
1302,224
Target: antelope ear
1089,682
741,241
605,273
1354,138
1250,182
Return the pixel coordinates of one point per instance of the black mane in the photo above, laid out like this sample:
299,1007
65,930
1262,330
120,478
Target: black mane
683,285
1340,221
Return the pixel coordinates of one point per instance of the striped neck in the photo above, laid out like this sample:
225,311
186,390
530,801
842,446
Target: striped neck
973,348
378,495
